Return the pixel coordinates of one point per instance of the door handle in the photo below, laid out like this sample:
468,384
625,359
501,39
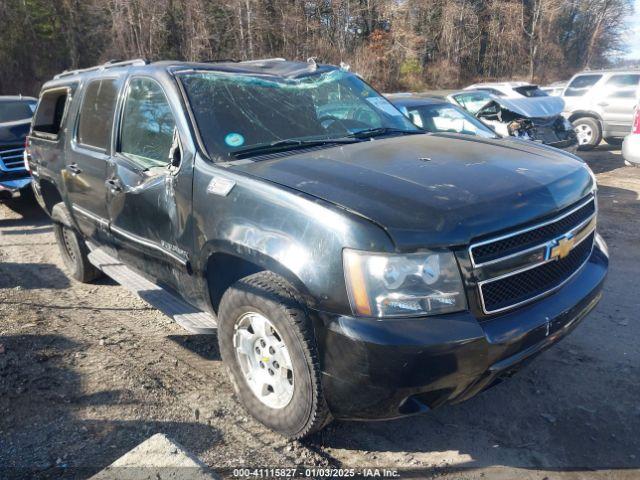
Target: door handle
603,104
74,169
113,185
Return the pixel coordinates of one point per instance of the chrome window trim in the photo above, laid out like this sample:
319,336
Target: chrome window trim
590,198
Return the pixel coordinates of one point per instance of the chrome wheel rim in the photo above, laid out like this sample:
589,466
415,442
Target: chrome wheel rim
264,360
584,133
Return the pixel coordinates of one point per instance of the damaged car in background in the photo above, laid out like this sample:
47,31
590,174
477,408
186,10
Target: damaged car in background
536,118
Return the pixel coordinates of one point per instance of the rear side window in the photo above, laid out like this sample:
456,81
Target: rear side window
622,86
531,91
581,85
50,112
492,91
96,113
147,124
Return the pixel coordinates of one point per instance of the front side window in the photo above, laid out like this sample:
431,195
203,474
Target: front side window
622,86
236,112
581,85
96,113
148,125
472,102
448,118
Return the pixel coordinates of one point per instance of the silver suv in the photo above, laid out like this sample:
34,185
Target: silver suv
600,105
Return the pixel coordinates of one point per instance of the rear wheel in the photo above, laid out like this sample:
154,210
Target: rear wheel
267,343
588,132
73,248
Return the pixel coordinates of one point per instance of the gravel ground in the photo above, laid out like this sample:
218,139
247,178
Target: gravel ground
87,372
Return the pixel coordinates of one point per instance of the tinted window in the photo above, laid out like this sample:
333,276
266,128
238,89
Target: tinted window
622,86
147,124
12,111
50,111
96,114
581,84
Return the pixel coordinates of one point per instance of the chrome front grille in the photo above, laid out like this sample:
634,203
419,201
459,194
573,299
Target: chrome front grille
519,267
11,158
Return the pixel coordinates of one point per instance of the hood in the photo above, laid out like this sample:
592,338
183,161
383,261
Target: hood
436,189
14,132
532,107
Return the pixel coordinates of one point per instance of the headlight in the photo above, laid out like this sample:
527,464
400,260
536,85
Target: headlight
388,285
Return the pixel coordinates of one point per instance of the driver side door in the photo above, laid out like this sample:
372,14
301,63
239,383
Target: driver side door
150,186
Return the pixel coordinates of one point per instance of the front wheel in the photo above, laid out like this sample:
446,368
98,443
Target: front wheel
588,132
267,343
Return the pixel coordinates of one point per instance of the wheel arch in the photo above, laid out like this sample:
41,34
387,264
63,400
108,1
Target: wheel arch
585,113
48,195
226,263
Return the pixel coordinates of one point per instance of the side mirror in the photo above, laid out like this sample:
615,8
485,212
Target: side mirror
175,153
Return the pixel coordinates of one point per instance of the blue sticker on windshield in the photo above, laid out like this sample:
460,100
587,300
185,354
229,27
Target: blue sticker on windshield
234,140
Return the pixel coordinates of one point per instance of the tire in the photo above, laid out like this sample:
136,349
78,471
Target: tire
27,195
73,248
614,141
270,296
588,131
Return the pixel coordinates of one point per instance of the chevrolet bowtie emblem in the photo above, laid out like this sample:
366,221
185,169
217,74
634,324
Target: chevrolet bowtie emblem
562,247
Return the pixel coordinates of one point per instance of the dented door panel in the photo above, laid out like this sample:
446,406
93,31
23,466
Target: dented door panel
149,212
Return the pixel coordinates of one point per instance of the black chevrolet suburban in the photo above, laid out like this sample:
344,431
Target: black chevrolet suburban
351,265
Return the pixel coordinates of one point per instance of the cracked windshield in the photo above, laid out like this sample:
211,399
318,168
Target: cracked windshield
243,114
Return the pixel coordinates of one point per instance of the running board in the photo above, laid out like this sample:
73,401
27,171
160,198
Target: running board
187,316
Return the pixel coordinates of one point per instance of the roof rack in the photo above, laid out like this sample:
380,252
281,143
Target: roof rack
261,60
104,66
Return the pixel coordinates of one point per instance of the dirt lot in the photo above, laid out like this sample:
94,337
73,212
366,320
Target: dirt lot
87,372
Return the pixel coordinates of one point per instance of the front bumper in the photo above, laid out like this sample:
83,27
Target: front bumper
14,185
631,148
569,145
381,369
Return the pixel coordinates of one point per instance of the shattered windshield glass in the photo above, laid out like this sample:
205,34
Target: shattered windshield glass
241,113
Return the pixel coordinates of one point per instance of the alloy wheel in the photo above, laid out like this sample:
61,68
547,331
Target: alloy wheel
264,360
584,133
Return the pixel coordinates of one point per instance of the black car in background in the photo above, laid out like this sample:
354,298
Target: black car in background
15,121
437,115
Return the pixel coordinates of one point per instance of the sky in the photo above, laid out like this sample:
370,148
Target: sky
633,36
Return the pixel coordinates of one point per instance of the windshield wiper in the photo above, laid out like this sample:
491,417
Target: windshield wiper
289,144
380,131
